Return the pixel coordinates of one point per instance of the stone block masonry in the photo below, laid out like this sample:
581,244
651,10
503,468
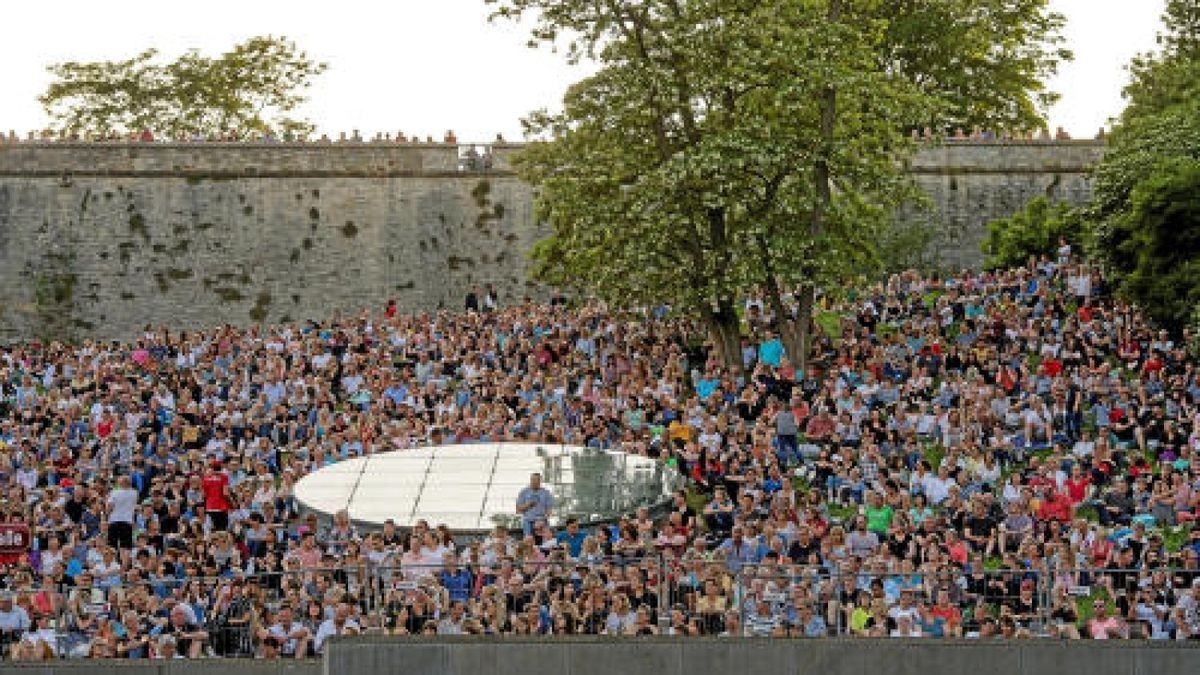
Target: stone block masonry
97,241
971,184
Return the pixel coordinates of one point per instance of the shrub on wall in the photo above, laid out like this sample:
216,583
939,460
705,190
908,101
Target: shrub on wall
1039,228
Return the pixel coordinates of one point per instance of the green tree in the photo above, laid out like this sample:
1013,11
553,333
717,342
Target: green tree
251,89
709,153
1035,230
1171,77
1163,248
724,145
1157,138
988,61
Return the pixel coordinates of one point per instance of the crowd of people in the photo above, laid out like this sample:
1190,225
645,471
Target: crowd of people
230,136
976,134
1001,454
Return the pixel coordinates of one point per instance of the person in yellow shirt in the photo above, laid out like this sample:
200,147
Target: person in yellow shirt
680,430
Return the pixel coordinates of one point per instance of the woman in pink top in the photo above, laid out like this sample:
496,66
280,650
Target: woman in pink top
1105,627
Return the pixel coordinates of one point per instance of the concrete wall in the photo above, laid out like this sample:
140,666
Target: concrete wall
99,240
177,667
697,656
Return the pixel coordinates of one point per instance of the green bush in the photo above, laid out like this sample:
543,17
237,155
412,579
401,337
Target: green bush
1033,231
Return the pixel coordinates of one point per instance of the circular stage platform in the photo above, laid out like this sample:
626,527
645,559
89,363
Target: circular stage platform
473,488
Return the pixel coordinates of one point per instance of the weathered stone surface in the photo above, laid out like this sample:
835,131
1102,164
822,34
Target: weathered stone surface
971,184
100,240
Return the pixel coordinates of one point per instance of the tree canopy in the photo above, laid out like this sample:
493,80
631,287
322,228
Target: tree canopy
1150,159
1163,250
686,169
987,61
251,89
723,146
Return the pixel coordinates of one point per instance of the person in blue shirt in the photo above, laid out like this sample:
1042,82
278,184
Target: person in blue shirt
534,503
811,623
770,351
457,581
739,550
707,385
572,537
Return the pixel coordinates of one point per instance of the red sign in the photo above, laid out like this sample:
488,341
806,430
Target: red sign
15,538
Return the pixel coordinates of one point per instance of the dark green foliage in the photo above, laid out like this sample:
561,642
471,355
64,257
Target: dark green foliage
1036,230
1164,243
1143,215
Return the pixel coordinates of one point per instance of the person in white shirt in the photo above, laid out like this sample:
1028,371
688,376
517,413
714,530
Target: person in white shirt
14,620
339,624
122,502
291,637
937,488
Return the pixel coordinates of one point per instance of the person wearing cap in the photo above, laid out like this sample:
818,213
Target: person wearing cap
189,639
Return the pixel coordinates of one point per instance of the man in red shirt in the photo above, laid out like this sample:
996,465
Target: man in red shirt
1077,486
1051,367
215,485
950,615
1056,506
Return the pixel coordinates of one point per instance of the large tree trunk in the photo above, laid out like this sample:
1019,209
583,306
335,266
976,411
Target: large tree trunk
788,333
725,331
804,325
824,188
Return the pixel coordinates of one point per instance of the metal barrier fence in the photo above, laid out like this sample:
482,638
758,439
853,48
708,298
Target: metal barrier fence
246,616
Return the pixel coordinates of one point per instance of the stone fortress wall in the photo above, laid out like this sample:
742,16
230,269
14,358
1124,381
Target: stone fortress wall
970,184
98,240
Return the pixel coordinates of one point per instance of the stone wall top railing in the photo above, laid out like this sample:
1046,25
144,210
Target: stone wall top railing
66,159
239,159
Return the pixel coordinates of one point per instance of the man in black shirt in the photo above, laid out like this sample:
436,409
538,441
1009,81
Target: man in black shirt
803,549
980,529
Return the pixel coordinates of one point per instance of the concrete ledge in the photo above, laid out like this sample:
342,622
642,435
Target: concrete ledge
715,656
177,667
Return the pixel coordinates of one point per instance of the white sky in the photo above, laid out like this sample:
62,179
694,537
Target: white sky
425,66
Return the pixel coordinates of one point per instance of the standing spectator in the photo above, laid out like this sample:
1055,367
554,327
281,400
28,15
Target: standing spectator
787,435
215,486
122,502
491,299
534,503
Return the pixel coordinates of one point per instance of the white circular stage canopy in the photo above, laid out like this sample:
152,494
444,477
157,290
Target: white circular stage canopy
473,488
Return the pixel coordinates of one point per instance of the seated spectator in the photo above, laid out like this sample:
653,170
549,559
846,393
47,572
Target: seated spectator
291,637
1103,626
